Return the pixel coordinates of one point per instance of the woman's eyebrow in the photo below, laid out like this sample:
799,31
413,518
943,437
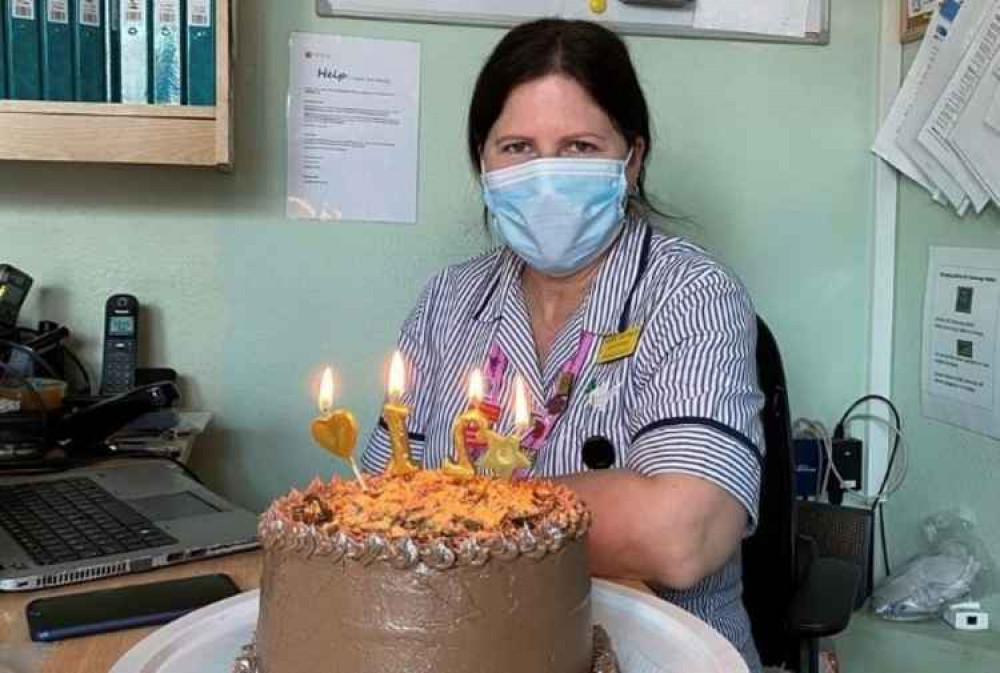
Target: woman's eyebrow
511,136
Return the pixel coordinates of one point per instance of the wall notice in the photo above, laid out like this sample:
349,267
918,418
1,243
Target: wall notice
353,128
960,355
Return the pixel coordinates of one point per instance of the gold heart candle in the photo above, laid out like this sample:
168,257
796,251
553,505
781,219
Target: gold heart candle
336,430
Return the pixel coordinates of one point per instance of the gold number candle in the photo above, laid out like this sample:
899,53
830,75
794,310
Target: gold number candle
395,413
336,430
474,420
505,456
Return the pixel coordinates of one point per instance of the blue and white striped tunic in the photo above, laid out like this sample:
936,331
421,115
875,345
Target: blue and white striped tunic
686,402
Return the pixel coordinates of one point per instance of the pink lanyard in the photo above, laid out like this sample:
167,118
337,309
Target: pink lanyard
542,421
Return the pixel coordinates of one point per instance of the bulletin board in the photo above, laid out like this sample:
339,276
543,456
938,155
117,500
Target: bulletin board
915,16
633,17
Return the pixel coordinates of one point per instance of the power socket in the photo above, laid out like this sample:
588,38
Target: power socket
967,617
848,457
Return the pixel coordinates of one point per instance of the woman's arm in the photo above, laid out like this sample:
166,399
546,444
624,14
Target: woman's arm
688,492
670,529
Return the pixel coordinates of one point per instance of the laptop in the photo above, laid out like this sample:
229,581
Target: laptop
96,522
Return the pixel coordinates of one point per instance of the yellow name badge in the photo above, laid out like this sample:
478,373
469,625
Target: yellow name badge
619,346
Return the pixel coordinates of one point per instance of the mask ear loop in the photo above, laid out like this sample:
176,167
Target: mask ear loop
631,190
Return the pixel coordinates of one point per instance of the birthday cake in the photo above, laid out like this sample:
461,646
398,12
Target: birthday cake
426,573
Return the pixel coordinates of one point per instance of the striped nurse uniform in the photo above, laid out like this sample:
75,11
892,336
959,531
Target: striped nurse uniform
685,400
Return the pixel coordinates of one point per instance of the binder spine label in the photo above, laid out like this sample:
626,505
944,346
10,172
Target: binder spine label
58,11
135,52
167,52
23,9
90,13
135,11
200,13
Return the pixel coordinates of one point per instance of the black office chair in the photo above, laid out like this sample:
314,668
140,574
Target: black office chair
793,596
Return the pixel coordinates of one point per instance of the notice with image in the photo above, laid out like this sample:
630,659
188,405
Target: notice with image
353,115
961,314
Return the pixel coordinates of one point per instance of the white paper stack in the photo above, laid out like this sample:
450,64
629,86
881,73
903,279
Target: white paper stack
943,130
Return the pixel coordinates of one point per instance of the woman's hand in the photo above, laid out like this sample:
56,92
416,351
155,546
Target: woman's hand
671,529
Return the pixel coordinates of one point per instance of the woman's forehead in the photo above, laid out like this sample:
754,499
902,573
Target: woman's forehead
551,105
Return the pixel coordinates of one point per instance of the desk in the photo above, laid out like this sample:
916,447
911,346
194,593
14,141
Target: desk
97,654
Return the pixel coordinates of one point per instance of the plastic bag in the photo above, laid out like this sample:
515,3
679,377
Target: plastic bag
955,567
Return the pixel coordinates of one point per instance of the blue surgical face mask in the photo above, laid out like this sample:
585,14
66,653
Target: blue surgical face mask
558,215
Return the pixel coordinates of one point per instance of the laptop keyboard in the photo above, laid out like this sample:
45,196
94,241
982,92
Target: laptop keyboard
74,519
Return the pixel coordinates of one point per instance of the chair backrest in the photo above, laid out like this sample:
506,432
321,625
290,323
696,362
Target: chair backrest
769,563
843,533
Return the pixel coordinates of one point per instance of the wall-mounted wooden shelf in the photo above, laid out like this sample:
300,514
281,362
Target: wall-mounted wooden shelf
127,134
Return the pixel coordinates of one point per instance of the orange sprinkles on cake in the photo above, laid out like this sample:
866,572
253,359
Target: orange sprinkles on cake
429,505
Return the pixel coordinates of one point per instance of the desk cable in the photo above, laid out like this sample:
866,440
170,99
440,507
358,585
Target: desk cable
896,439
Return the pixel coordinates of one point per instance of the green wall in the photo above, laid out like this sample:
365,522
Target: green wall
950,467
763,146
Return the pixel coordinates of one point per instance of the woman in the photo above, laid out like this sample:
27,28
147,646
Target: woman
637,347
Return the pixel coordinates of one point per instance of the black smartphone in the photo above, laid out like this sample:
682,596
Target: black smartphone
121,344
88,613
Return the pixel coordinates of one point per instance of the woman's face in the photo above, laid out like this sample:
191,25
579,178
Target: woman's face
555,117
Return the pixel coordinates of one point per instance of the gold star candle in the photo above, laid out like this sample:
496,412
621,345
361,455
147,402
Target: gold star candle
472,422
336,430
395,413
505,456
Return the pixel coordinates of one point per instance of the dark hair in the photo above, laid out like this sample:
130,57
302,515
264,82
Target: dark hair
593,56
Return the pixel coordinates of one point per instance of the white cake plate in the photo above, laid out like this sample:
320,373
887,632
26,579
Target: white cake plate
649,636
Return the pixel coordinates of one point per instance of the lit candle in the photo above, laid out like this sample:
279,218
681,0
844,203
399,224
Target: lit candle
395,413
505,456
472,422
336,430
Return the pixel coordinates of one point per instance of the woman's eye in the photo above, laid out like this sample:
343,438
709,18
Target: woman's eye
581,147
515,148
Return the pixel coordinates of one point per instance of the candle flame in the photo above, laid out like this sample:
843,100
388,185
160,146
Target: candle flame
326,392
476,386
397,377
522,409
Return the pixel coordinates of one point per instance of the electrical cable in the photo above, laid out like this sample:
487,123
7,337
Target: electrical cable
839,431
898,470
885,545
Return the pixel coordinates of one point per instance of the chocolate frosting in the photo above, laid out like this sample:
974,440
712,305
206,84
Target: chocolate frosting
341,616
496,580
604,659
